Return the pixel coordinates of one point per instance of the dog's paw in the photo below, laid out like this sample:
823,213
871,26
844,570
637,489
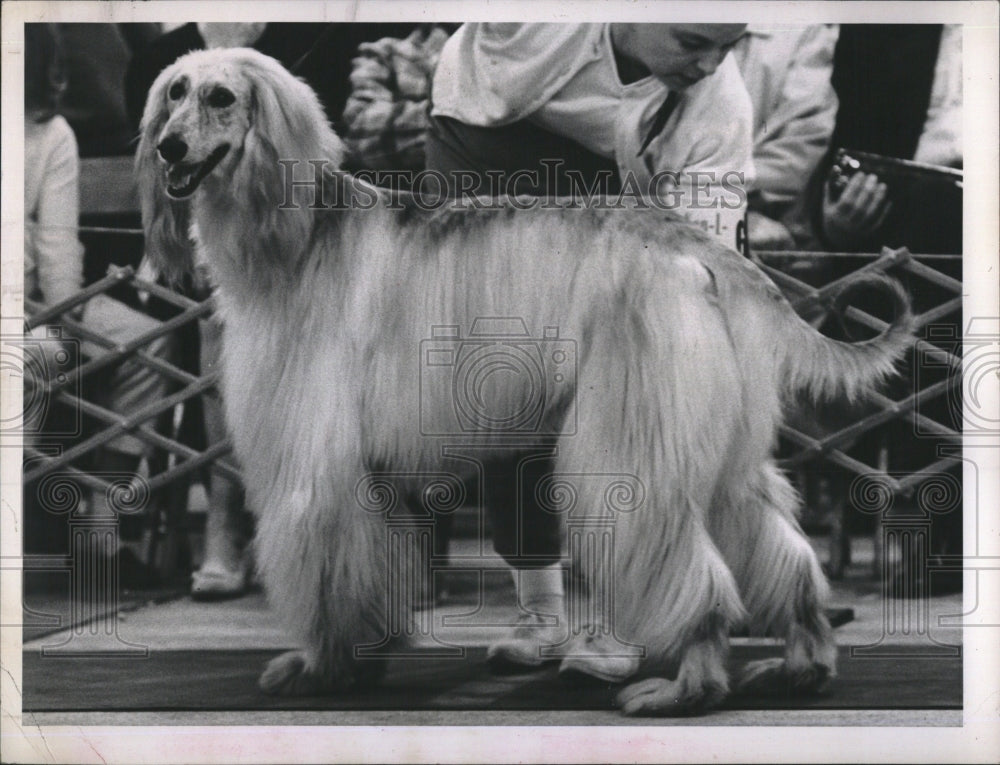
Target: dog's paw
660,697
769,677
289,675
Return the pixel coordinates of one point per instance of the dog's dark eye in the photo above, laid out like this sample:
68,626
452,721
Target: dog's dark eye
176,90
220,98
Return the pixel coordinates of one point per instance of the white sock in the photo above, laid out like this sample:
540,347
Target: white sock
540,589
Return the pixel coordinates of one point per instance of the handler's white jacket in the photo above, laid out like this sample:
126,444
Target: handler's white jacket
563,77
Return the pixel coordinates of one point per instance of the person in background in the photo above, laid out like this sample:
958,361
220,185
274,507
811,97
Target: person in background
321,54
617,103
787,72
96,57
900,93
385,118
628,105
53,272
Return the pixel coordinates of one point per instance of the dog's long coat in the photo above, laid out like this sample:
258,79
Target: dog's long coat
685,355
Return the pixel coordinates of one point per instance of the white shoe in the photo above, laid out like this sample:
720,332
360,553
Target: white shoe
598,656
522,646
215,582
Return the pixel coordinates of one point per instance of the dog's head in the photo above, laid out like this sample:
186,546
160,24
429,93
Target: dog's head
196,116
217,122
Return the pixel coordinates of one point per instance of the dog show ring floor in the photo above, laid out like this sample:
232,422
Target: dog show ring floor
176,661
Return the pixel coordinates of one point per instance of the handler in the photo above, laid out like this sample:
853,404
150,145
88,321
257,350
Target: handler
563,110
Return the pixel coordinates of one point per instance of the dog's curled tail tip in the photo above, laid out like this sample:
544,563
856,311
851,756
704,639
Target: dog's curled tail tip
850,369
903,322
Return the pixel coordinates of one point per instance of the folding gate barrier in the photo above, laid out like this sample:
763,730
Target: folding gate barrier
922,414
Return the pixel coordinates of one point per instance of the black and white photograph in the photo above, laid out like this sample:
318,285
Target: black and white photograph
500,382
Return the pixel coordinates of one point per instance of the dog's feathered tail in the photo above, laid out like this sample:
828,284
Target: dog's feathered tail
825,368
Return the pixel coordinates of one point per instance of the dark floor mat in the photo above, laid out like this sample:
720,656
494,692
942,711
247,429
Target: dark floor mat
227,680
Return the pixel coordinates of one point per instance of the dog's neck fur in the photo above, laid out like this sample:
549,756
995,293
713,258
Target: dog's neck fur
266,260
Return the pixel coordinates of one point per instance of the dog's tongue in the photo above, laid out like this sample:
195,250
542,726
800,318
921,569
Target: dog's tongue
180,175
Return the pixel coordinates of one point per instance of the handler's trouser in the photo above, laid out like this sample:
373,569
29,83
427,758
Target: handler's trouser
525,534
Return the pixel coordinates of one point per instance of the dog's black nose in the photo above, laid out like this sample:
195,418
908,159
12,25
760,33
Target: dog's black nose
172,149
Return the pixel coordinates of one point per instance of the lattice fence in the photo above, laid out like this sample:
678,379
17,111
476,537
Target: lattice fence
183,460
892,463
899,440
937,298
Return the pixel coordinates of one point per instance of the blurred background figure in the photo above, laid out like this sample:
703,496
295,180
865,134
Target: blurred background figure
618,104
900,93
385,118
321,54
96,57
787,72
53,272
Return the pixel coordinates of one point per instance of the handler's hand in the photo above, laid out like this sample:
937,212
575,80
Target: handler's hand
767,233
857,213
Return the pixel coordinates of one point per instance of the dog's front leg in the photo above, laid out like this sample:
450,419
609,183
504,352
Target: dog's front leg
322,561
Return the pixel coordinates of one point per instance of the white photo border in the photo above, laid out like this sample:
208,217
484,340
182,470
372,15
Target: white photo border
977,740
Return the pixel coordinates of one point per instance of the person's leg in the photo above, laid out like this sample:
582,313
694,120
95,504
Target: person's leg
130,387
117,469
223,570
225,524
527,536
530,539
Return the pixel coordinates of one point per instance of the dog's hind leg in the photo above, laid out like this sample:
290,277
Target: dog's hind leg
323,566
674,596
684,619
782,584
665,606
701,682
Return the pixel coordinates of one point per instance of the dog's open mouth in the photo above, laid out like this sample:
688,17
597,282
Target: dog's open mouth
183,177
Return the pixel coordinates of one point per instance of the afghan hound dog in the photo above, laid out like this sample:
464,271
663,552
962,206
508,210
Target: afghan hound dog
685,356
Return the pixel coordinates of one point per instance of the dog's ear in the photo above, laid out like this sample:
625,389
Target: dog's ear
287,112
288,131
166,221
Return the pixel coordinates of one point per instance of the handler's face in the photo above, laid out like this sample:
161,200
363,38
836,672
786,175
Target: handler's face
679,55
